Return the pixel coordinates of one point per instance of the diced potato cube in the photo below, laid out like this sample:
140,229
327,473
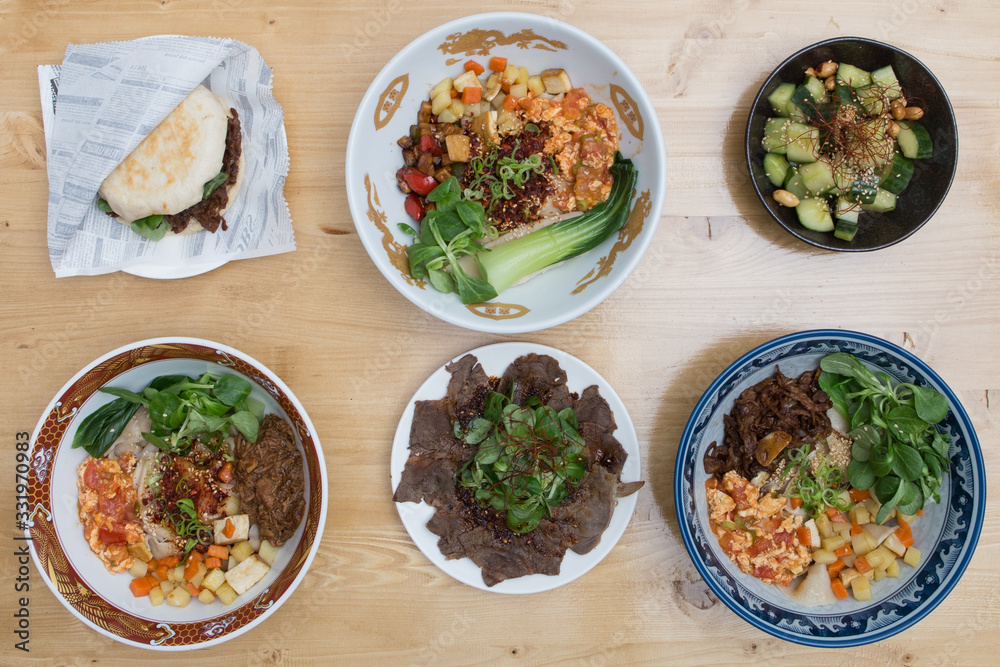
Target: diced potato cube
908,518
226,594
268,553
912,557
894,544
447,116
522,75
156,596
166,587
456,108
859,514
556,81
254,537
841,528
138,569
535,85
869,575
246,574
441,102
847,575
872,506
141,551
467,79
240,552
823,525
823,556
215,578
177,574
241,529
879,558
232,505
510,74
893,569
198,578
444,86
833,543
861,588
879,575
179,597
498,100
459,149
862,543
206,596
493,80
519,90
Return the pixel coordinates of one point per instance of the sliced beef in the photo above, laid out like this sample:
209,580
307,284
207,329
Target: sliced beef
269,479
467,530
532,375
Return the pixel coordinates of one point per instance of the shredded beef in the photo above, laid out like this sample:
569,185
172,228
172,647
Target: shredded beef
269,480
796,406
467,530
208,212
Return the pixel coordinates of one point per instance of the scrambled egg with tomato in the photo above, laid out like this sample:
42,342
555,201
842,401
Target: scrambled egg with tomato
754,531
583,140
107,501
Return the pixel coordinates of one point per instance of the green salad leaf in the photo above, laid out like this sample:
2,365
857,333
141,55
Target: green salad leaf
898,452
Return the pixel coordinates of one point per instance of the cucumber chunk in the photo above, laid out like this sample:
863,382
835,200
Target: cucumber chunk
846,229
814,214
795,185
847,210
817,177
897,176
815,87
914,141
886,82
873,100
884,201
779,99
865,188
775,138
776,168
803,143
852,76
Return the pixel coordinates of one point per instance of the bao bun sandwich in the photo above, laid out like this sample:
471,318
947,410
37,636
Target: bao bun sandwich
184,175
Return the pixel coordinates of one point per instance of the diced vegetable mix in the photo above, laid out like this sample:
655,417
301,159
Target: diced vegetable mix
223,573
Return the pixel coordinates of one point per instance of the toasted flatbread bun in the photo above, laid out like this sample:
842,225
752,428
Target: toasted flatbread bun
167,172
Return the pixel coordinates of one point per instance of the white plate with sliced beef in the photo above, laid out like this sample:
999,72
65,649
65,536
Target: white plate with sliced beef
470,494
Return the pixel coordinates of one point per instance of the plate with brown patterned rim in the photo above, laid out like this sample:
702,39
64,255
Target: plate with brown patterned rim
55,535
559,293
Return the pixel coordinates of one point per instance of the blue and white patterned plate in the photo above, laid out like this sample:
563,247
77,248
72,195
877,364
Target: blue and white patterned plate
946,533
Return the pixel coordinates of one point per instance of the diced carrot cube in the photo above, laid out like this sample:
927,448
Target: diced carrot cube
213,562
474,66
856,529
843,551
140,587
161,572
191,569
471,95
796,503
220,551
195,557
861,564
193,590
838,588
509,103
498,63
857,495
835,567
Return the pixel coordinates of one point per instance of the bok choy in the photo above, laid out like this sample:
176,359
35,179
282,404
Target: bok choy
456,227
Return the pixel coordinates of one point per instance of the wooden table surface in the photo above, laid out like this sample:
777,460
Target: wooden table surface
720,278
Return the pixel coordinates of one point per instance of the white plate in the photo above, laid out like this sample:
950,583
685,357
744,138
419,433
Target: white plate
78,578
494,360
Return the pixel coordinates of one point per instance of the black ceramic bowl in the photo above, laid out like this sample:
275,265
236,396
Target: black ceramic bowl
931,177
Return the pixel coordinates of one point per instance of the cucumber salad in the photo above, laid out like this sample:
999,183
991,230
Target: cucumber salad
840,143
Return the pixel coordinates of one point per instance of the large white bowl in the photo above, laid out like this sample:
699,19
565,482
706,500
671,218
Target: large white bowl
78,578
390,107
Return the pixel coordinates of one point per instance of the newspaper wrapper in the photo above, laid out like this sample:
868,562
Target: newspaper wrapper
103,101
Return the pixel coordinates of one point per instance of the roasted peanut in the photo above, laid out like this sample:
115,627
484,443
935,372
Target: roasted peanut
830,83
893,129
913,113
810,72
899,113
785,198
827,69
